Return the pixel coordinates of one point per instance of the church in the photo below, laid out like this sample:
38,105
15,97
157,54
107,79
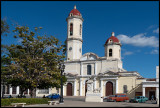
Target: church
107,72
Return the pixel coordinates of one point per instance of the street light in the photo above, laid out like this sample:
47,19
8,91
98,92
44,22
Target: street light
62,67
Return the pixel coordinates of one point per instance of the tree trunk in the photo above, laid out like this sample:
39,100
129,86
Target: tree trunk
22,91
33,93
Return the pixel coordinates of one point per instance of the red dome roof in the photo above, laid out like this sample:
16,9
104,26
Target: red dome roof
75,11
113,38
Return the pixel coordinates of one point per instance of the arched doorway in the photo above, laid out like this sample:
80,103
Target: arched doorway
109,88
86,87
69,89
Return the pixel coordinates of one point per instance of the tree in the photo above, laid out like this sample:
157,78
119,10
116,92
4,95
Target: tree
4,60
4,31
4,27
35,62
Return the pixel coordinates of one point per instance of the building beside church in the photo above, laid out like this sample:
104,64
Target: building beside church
151,87
107,72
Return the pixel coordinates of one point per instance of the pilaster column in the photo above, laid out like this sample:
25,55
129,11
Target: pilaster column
95,71
81,69
75,88
28,91
157,94
116,85
80,88
101,87
17,91
143,91
94,87
37,90
10,91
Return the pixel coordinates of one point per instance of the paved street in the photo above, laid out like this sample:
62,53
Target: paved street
79,102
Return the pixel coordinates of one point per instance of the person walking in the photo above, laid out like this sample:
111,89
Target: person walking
152,98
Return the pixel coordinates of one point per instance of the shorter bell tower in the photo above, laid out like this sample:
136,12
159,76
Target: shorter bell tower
113,48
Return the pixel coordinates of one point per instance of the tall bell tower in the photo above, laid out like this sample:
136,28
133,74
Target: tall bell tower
74,35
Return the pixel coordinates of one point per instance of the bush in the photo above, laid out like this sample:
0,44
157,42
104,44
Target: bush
28,101
5,102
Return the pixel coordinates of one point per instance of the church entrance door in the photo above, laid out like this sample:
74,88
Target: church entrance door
109,88
69,89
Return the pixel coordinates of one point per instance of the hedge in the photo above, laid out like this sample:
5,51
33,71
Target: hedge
28,101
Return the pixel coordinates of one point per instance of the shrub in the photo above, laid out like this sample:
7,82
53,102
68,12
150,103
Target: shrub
5,102
28,101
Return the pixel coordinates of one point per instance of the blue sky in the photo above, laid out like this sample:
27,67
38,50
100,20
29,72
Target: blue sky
135,23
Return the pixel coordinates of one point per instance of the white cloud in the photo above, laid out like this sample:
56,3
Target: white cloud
156,31
139,40
155,51
128,53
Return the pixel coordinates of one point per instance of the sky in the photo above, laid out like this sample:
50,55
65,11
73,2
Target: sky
135,23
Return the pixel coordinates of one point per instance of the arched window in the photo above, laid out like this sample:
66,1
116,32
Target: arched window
71,29
80,29
88,69
110,52
124,88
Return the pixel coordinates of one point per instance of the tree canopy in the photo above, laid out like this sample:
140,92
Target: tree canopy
4,27
34,63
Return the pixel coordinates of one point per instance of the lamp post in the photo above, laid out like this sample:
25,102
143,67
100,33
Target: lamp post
62,67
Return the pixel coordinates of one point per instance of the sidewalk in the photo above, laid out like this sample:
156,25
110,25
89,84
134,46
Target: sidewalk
76,101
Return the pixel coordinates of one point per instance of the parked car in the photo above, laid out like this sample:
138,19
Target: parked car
105,99
118,98
53,96
139,99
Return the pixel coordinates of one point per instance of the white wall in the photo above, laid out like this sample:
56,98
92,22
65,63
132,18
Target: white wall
116,51
157,73
76,45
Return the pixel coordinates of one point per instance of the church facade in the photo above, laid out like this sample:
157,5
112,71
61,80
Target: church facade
107,72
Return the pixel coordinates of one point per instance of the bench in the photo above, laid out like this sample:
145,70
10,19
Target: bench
20,104
53,102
